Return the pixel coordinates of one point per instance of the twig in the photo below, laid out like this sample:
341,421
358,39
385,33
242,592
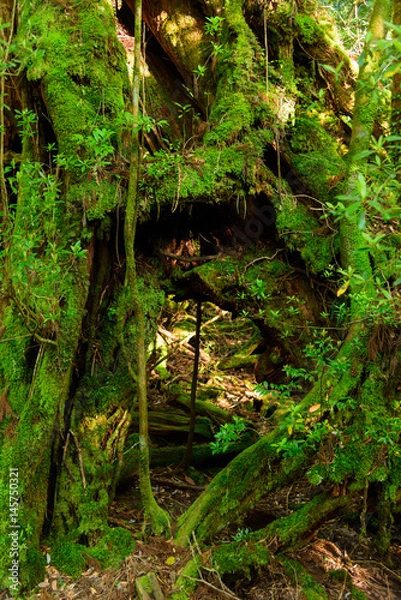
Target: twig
213,587
266,49
190,259
6,54
261,258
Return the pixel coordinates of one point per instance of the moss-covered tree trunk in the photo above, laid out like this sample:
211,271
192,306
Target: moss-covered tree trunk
72,74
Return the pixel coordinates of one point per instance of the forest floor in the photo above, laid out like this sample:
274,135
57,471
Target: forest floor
335,555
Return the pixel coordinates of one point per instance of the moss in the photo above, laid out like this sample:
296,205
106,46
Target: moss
301,232
357,594
69,558
316,156
307,29
311,589
81,66
368,436
212,172
96,197
187,582
241,557
113,548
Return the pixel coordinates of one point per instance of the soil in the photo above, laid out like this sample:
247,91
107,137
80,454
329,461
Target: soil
335,555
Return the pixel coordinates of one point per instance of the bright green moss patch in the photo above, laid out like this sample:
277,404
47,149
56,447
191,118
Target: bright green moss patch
217,173
98,197
69,558
307,29
112,548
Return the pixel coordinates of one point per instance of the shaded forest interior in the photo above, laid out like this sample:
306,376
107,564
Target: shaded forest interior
200,275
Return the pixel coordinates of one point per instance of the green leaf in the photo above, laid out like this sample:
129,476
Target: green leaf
352,209
361,186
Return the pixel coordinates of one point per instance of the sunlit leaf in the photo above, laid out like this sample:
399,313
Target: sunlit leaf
361,185
343,288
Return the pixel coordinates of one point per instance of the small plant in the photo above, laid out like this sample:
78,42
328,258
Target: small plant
27,121
214,25
228,434
98,144
200,71
258,289
241,534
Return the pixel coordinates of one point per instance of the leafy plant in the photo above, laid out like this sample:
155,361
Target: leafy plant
228,434
241,534
214,25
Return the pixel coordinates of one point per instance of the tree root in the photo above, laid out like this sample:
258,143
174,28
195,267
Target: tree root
259,549
248,477
256,471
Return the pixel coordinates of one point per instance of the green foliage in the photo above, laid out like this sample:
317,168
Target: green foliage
8,60
258,289
241,534
42,262
98,146
352,21
214,25
228,434
26,120
299,433
373,205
